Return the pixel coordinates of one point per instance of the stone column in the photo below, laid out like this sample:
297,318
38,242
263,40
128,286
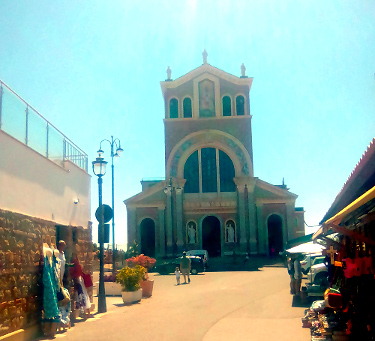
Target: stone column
169,226
133,230
288,229
160,247
262,230
179,208
252,218
241,215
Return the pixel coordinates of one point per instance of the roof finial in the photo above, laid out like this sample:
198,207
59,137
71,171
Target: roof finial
169,74
204,54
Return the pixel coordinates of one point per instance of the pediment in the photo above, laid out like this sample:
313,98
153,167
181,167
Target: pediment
208,70
265,190
152,196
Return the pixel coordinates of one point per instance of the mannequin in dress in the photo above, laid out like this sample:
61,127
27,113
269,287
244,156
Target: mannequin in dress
49,292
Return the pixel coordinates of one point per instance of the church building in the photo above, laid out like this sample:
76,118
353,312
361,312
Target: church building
210,198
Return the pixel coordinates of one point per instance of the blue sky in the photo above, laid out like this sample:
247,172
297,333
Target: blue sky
93,69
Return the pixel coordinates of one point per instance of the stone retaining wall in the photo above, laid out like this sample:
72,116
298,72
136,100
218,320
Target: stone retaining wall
21,240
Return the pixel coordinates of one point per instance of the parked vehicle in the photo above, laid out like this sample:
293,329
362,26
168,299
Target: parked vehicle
318,274
200,253
308,261
170,266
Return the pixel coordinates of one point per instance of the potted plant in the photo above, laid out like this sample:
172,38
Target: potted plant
146,284
111,287
129,279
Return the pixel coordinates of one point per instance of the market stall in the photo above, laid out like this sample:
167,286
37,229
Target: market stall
347,311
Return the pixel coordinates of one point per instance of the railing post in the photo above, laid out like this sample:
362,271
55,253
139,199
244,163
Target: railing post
64,151
1,101
47,154
27,125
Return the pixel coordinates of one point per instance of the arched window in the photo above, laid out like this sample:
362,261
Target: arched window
209,172
230,232
227,106
173,108
216,170
240,105
187,107
226,173
191,174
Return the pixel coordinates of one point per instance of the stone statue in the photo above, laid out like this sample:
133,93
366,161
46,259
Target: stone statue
191,233
230,231
204,54
243,70
169,73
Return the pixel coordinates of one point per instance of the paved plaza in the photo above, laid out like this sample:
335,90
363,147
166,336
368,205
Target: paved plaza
237,305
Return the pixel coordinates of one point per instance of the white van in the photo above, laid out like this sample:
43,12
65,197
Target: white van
201,253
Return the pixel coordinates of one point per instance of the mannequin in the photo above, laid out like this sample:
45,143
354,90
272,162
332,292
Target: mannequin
51,312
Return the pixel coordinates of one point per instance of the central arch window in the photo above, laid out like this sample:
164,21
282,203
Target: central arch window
209,170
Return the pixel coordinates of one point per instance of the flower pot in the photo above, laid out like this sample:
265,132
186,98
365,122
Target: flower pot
112,289
147,287
130,297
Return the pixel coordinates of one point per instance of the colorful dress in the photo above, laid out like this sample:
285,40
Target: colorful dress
51,310
82,299
64,311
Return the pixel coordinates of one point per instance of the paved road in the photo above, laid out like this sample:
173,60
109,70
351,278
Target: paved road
252,305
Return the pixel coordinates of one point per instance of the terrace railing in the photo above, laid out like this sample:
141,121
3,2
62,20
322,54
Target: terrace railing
20,120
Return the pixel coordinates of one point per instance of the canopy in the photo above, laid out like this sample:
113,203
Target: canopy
370,194
306,248
334,221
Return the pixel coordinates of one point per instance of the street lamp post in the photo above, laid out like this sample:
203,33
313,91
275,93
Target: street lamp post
99,169
171,247
116,154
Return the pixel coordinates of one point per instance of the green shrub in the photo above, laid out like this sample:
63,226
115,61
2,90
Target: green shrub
129,278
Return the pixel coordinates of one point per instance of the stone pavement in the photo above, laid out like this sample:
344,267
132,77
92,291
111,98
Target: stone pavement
237,305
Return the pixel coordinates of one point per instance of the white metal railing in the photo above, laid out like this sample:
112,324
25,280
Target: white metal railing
20,120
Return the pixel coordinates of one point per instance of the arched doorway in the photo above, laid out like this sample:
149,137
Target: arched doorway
275,234
148,237
211,236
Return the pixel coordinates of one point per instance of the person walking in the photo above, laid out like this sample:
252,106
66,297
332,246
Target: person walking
178,275
297,275
291,275
185,266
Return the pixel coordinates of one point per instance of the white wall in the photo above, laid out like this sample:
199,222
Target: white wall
33,185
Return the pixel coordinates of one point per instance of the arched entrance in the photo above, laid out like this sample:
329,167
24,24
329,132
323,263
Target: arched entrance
211,240
275,234
148,237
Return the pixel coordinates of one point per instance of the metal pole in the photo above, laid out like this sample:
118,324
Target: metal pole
1,101
102,307
172,218
113,210
27,126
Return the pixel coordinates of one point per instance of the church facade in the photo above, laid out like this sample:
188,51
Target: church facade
210,198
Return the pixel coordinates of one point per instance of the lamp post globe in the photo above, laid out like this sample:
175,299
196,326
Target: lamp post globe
99,165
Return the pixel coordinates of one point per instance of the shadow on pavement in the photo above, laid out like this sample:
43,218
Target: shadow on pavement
302,303
240,263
